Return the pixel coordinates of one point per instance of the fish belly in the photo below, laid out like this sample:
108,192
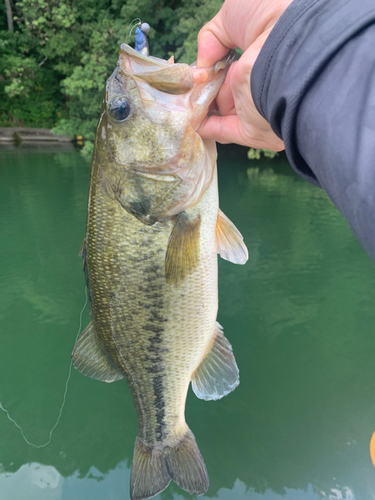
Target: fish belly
157,333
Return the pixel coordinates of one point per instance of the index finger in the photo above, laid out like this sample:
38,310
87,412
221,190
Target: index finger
213,42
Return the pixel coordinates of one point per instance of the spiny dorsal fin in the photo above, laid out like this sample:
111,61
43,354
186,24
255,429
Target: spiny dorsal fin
83,248
229,241
88,358
183,249
218,373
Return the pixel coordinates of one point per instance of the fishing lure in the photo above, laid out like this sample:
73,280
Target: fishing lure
141,42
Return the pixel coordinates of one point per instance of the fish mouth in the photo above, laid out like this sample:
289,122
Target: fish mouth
169,77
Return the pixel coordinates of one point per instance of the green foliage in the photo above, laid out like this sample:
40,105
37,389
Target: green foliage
54,66
192,16
3,17
255,154
29,90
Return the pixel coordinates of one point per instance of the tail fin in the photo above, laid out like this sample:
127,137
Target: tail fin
149,475
153,468
186,466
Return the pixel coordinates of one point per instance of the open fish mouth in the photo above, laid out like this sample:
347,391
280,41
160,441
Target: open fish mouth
167,76
168,89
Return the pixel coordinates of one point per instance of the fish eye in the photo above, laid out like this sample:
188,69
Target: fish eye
119,108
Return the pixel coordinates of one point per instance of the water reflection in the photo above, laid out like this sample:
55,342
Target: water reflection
32,481
42,482
299,314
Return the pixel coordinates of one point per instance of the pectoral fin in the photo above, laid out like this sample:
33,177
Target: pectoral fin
229,240
89,359
183,249
218,373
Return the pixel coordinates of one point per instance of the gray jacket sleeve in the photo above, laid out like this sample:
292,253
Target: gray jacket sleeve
314,82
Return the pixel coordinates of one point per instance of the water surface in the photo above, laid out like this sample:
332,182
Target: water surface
300,316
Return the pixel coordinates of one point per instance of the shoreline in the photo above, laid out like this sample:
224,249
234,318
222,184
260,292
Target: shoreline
18,135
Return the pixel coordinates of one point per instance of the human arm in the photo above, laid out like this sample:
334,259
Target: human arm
314,83
244,24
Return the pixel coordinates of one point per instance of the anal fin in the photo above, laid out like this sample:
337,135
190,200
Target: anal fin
89,359
229,241
218,373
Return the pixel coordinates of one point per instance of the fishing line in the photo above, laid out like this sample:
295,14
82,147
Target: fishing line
131,26
63,401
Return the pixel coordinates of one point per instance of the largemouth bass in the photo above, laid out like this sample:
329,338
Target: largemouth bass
153,233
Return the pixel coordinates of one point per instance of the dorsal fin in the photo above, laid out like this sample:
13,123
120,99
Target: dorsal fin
89,359
229,241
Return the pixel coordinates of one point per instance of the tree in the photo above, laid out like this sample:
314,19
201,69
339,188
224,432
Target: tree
63,51
9,15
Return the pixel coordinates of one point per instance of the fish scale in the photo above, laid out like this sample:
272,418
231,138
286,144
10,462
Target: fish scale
153,232
152,309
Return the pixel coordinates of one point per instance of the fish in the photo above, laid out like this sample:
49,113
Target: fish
153,232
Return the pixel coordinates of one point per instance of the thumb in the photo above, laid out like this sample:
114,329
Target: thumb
213,42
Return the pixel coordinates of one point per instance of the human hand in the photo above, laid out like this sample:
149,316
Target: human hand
245,24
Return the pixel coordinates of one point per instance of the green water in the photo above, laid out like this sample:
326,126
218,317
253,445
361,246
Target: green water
300,315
